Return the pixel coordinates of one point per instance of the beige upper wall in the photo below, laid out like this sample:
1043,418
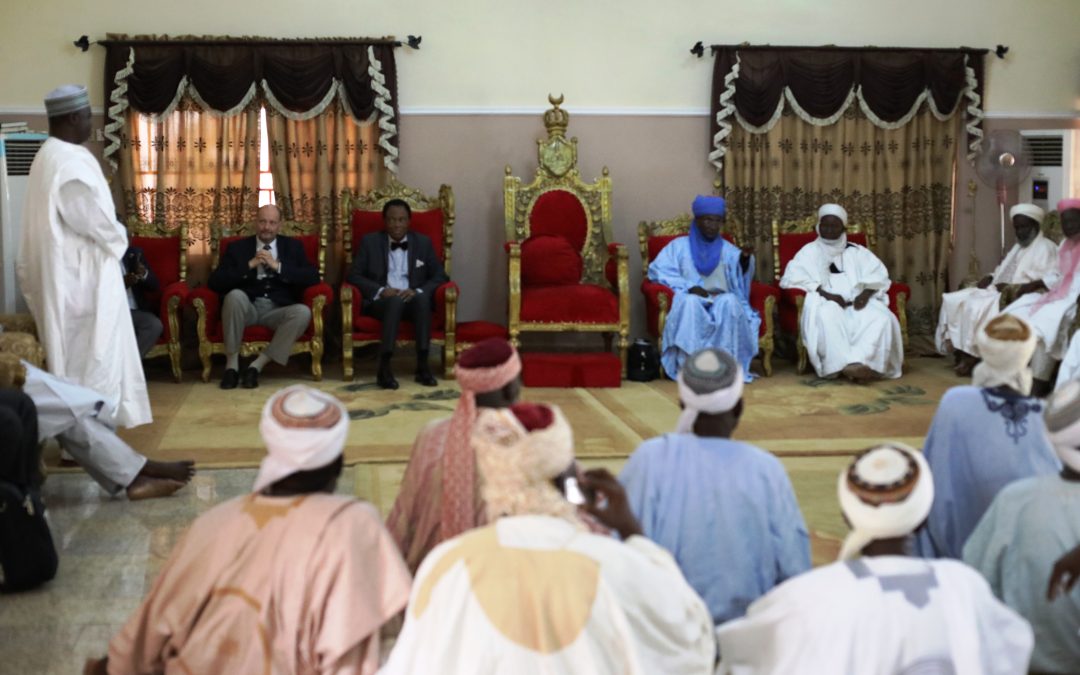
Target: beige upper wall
608,54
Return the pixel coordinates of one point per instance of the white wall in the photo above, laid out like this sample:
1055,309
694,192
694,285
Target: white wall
601,53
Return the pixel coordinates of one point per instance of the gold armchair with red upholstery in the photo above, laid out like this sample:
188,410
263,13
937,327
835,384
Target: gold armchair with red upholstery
207,303
653,236
787,239
431,216
565,272
166,254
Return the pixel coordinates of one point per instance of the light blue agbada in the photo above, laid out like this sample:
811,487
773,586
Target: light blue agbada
726,511
1031,524
725,321
981,440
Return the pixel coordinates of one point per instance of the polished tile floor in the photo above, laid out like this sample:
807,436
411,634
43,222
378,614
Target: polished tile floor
110,551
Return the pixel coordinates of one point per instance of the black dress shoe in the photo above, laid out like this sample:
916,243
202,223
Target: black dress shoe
251,378
386,380
425,378
230,379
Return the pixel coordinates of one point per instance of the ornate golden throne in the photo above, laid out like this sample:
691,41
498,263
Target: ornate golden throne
318,297
166,254
431,216
653,236
787,239
565,272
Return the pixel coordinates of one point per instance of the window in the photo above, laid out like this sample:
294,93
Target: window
266,178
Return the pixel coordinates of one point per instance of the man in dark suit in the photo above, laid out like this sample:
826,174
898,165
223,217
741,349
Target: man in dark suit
141,283
397,273
263,279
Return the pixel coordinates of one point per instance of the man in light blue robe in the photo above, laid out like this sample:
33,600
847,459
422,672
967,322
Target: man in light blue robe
1030,525
726,510
984,437
711,279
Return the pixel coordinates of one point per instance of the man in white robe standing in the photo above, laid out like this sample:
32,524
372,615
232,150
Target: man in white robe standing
1051,313
1030,266
846,324
535,591
69,265
1030,525
877,611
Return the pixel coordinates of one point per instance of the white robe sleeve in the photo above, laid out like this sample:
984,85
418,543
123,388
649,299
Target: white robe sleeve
1006,637
803,271
81,211
666,269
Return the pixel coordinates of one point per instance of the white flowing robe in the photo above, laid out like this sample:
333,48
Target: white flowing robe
836,337
966,311
534,594
1051,321
69,269
878,616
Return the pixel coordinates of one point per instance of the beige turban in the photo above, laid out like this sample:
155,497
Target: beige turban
1062,417
303,429
887,492
710,382
1029,210
519,456
1005,345
66,99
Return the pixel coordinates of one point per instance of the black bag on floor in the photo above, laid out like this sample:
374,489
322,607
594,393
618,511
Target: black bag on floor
27,553
642,361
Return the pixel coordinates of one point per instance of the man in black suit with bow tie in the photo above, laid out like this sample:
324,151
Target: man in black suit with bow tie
262,279
397,273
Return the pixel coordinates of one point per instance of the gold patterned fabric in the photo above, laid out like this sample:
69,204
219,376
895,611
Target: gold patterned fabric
899,179
190,166
315,162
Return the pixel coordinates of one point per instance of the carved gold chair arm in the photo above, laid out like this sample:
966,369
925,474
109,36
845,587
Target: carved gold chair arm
19,323
23,346
12,371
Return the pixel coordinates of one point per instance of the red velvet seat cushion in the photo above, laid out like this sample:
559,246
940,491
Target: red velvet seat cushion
370,328
547,260
560,213
469,332
428,223
578,303
310,242
600,369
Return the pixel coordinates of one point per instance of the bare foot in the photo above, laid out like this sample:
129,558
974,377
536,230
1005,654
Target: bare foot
859,373
144,487
181,471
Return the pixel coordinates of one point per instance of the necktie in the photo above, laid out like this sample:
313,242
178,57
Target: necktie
403,245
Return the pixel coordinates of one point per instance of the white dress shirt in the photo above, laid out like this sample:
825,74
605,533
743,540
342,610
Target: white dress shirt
260,246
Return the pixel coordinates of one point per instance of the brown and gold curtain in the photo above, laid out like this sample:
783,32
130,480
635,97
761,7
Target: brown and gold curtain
875,130
314,162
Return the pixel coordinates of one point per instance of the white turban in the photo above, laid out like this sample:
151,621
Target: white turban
1029,210
834,246
303,429
887,492
1006,344
1062,418
710,382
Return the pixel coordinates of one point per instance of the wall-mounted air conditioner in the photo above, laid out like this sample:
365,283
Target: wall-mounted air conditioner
17,152
1055,166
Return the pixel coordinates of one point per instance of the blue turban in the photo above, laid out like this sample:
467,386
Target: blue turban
706,254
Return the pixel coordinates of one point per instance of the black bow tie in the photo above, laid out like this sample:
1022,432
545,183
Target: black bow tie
403,245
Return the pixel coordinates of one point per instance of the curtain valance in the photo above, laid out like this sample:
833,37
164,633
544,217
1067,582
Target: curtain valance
751,86
298,78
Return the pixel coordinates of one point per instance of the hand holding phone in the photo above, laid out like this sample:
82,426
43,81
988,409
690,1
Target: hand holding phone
608,502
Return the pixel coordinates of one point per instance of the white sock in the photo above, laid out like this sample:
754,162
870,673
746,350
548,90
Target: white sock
260,361
232,361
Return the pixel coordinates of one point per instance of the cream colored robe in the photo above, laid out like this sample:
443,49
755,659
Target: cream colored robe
535,594
967,310
276,585
69,270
